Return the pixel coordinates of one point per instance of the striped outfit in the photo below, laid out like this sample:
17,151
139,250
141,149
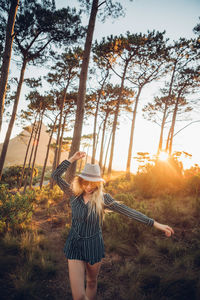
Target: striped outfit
85,241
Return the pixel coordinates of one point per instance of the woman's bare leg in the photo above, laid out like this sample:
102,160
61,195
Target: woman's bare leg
92,272
77,278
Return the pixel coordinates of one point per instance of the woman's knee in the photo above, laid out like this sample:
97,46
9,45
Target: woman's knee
80,297
91,283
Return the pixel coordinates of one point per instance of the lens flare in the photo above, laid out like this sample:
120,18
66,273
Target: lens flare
163,156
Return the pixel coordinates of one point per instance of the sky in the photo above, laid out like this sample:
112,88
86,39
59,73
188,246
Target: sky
177,18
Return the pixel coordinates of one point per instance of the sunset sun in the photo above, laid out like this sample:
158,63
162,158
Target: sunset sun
163,156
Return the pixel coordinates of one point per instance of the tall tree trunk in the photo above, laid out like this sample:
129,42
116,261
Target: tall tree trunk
7,55
26,155
173,123
82,89
36,148
169,97
61,140
104,167
162,129
58,135
12,120
115,119
168,139
30,158
97,139
102,140
130,149
94,131
47,153
95,118
55,158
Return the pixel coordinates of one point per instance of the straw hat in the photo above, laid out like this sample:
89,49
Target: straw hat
91,172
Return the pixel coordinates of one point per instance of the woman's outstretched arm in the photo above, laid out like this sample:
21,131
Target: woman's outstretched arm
136,215
127,211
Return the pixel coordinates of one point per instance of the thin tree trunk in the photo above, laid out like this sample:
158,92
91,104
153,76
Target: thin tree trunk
115,119
97,139
162,129
169,97
102,140
30,158
82,90
35,154
12,120
26,155
168,139
130,149
61,139
58,135
7,55
104,167
47,153
173,124
55,159
95,119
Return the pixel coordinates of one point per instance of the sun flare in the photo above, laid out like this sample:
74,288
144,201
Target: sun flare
163,156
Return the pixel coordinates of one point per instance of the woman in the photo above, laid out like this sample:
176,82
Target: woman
84,247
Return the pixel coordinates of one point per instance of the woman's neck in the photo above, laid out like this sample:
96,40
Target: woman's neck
87,196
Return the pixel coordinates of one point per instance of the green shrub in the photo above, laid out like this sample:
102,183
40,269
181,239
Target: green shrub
15,209
12,175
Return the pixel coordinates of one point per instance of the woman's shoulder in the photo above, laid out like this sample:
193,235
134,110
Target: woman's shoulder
107,198
74,197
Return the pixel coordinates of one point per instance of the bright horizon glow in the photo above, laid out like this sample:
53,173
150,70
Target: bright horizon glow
163,156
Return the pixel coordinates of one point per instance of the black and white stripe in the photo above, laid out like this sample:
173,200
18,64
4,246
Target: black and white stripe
85,241
108,200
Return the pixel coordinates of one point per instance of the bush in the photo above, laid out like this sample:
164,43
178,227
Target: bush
12,175
159,179
14,209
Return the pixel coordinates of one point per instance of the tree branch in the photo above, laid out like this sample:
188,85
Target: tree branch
186,126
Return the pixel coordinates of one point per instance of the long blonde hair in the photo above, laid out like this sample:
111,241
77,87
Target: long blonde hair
96,203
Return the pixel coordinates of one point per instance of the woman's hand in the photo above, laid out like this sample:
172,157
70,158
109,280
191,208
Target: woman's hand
167,229
77,155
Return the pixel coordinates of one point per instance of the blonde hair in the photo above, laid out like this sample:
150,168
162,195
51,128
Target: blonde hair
96,203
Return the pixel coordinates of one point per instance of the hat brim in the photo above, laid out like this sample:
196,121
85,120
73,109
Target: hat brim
92,179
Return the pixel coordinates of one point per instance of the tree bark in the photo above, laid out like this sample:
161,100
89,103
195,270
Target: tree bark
82,89
12,120
130,149
104,167
94,131
95,119
36,148
115,119
102,139
7,55
173,123
162,129
61,140
168,139
47,153
26,155
30,158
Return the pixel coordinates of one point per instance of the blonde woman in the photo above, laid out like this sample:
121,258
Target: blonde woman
84,246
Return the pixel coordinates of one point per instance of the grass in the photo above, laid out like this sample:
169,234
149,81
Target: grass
141,262
26,265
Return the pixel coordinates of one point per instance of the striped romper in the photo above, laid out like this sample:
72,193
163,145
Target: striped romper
84,241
